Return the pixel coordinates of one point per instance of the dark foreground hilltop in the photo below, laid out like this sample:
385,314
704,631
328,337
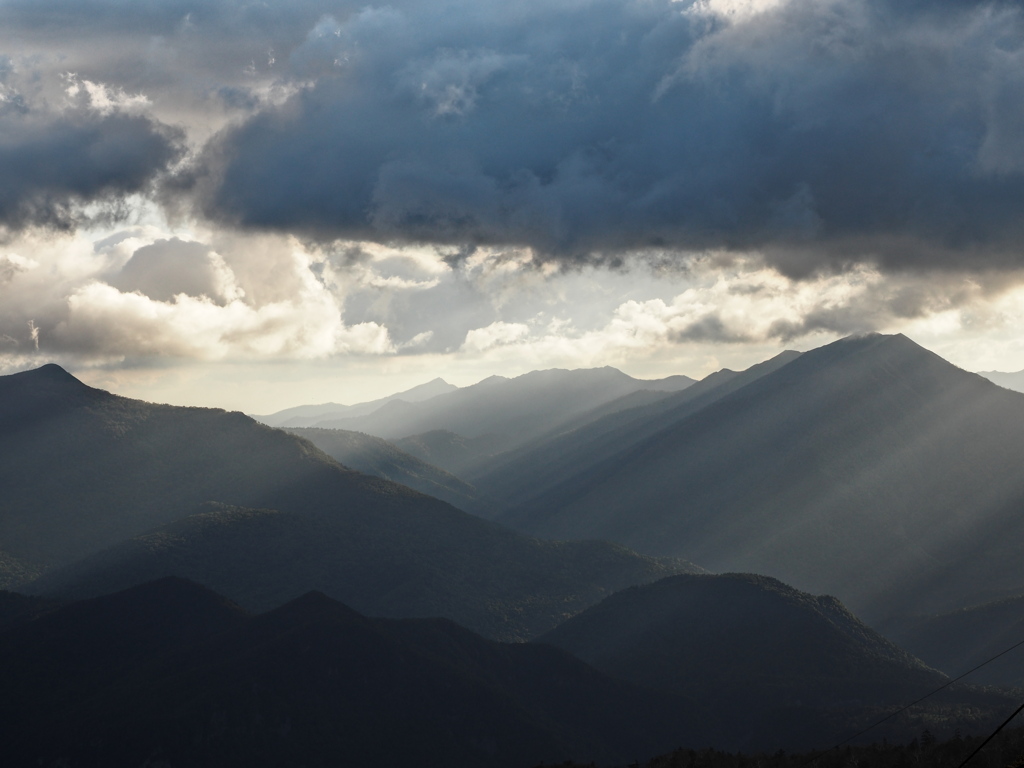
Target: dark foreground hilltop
1006,750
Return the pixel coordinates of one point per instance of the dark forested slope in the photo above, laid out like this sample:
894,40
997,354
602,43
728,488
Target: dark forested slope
959,641
719,637
386,563
170,673
82,469
785,668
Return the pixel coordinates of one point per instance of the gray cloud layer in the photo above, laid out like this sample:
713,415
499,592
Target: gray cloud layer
56,158
51,165
823,132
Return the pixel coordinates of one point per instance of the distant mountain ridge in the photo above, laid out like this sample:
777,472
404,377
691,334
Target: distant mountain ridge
869,468
311,415
380,458
1013,380
509,412
581,445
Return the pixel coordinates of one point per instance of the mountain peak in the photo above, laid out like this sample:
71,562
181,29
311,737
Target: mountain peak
51,372
50,369
432,388
312,606
29,394
893,352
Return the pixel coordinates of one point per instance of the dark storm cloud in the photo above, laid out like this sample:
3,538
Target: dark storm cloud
181,53
52,164
229,20
710,328
822,132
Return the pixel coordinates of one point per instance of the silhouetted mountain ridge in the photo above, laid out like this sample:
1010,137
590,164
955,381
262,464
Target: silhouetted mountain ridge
485,577
792,667
168,672
45,392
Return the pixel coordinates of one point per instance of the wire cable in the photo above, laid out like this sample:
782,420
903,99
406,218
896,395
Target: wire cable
1006,722
916,702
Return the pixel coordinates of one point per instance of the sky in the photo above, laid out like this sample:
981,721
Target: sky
255,205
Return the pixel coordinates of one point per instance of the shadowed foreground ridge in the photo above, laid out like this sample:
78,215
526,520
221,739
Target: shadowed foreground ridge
497,583
925,749
779,666
169,671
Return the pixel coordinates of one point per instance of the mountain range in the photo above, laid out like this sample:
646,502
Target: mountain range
169,670
311,415
870,468
794,668
383,562
104,485
170,673
506,412
1013,380
581,446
